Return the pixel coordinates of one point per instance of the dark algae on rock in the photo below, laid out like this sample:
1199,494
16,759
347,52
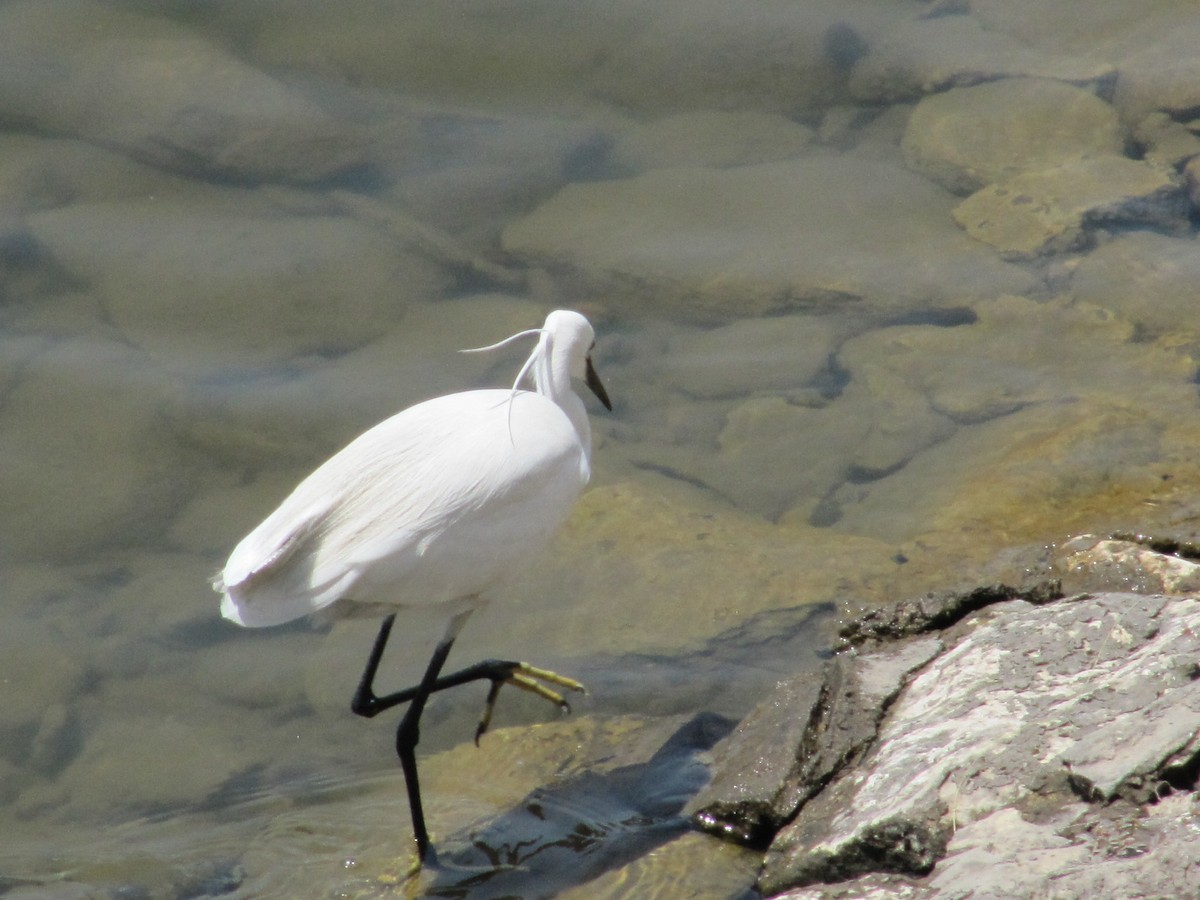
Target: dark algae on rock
958,737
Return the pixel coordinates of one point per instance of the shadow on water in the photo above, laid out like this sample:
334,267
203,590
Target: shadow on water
727,673
571,833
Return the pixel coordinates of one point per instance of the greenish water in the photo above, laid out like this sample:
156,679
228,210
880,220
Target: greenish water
233,236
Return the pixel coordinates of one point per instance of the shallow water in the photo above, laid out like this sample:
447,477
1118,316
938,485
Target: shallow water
234,236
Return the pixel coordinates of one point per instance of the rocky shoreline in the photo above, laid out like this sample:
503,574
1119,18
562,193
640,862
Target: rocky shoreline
998,742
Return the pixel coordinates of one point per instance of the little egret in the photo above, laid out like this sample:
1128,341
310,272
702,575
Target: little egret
436,505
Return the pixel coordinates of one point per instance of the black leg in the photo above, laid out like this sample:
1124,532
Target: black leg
408,734
407,737
364,702
498,671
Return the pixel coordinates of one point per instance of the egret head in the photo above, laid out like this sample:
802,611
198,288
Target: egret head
565,342
569,333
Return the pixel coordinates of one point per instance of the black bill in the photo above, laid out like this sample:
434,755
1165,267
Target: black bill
593,381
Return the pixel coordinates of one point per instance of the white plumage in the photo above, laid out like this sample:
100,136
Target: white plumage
434,506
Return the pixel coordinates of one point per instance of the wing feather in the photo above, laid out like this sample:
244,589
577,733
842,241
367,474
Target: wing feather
369,515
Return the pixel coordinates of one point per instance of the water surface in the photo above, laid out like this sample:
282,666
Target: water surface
233,236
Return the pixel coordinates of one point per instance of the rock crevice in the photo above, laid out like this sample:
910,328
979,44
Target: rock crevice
1044,724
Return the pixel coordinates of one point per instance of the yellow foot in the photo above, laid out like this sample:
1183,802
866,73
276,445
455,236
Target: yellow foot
410,879
535,681
530,678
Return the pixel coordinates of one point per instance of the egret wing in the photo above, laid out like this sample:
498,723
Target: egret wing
374,523
462,480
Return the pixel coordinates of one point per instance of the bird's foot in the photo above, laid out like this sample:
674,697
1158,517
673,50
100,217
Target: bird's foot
530,678
413,878
527,678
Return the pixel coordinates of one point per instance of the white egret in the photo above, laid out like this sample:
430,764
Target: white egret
435,505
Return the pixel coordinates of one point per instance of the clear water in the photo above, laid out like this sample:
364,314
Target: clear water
233,236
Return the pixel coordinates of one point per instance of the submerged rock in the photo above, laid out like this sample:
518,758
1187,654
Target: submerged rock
807,233
74,425
1058,409
1059,209
779,353
710,138
783,58
1163,73
1191,173
969,137
163,95
177,278
578,828
530,812
1164,141
1148,279
941,52
998,732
